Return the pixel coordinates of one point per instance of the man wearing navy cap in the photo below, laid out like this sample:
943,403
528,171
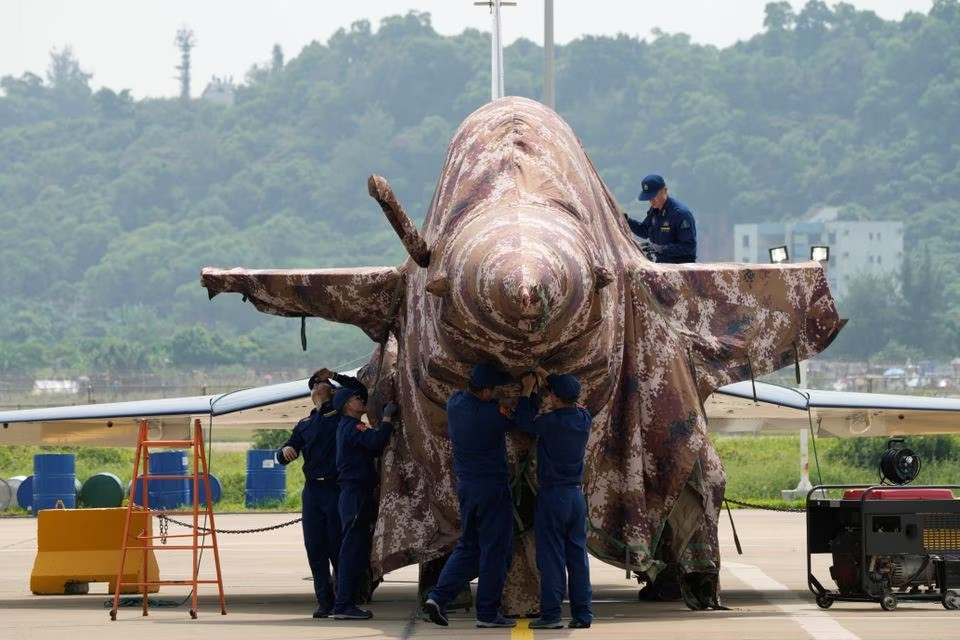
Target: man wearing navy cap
560,515
316,438
357,446
669,225
477,425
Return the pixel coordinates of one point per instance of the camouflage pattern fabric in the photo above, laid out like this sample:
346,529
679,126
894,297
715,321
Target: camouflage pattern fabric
525,260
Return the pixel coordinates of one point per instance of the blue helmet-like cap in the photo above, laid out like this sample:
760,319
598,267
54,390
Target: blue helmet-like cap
651,186
342,395
564,386
487,376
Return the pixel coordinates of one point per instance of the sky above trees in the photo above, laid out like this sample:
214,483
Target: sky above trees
130,45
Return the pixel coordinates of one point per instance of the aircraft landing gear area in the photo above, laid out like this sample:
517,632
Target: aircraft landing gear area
888,544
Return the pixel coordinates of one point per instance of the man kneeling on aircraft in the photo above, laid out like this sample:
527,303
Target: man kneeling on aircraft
316,438
357,446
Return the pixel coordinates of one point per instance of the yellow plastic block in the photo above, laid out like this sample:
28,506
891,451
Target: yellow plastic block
79,546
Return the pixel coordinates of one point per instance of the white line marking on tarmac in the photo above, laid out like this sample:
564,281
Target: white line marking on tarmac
819,624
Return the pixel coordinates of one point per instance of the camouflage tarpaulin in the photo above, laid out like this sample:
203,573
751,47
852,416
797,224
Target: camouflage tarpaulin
530,263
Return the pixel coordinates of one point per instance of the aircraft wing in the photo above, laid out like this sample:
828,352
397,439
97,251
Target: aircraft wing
739,407
274,406
754,406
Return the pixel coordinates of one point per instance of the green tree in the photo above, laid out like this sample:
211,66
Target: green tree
873,307
69,83
778,16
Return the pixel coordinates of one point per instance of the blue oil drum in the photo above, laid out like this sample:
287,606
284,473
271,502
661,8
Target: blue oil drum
169,494
266,478
102,490
139,497
54,481
25,492
216,490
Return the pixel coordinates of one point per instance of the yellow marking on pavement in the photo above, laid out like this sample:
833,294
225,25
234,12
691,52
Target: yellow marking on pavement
522,631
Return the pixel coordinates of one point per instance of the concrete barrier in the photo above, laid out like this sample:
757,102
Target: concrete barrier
78,546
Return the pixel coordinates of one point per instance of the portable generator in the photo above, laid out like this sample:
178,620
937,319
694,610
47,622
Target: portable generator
887,542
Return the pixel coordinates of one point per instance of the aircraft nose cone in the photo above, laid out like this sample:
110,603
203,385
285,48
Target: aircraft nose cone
531,288
520,282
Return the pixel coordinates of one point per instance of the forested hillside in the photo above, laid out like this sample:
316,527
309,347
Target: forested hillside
110,206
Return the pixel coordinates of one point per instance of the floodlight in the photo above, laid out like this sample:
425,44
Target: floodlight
820,253
779,254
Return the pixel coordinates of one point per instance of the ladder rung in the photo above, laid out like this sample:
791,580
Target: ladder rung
160,583
176,535
182,476
168,443
172,546
174,512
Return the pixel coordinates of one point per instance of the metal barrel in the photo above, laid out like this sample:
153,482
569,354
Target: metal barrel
102,490
266,478
169,494
15,483
54,481
7,494
216,490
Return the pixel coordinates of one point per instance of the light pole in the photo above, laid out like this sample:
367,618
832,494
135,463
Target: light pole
496,47
549,89
780,255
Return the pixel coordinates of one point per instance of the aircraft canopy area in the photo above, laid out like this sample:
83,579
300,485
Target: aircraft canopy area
730,409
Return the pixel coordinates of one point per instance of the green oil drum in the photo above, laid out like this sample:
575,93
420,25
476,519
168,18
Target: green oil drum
102,490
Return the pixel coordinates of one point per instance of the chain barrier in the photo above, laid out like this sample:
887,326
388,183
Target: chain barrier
164,529
166,519
760,506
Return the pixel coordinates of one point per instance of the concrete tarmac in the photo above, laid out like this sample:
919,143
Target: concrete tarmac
268,595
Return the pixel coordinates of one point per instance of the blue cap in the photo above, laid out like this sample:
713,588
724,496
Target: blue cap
651,185
342,395
487,376
564,386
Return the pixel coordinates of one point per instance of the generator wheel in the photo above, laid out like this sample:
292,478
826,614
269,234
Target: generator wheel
951,599
825,602
888,602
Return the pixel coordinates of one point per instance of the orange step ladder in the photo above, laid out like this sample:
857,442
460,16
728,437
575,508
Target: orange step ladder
146,541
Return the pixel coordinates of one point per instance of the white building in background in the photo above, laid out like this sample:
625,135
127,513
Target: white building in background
219,91
42,387
856,247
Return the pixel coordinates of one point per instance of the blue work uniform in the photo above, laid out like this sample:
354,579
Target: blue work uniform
560,516
315,439
672,228
477,431
357,447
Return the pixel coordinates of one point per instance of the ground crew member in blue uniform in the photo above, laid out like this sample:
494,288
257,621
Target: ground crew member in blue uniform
357,446
316,438
477,426
669,225
560,516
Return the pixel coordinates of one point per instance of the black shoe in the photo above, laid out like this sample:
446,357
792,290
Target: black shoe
353,613
322,611
540,623
576,623
499,621
437,615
